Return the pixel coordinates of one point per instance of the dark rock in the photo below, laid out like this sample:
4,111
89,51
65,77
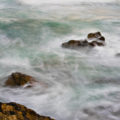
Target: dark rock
14,111
94,35
100,44
78,44
102,38
95,43
98,40
75,43
19,79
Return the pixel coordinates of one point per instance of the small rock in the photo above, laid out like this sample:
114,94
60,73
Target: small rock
14,111
100,44
95,43
18,79
94,35
75,44
102,38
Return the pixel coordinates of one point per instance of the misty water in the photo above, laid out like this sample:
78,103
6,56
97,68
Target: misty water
79,84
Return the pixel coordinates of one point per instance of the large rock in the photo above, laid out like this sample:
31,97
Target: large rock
93,39
14,111
19,79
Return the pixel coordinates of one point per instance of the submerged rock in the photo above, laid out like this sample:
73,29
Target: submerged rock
19,79
14,111
97,40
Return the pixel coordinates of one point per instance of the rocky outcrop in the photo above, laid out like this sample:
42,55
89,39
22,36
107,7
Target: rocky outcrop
19,79
14,111
93,39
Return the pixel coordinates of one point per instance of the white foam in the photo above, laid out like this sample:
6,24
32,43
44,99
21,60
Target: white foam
11,61
38,2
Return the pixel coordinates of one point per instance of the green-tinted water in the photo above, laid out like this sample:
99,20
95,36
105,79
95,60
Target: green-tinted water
81,84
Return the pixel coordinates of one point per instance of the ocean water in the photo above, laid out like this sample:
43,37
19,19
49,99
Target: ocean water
79,84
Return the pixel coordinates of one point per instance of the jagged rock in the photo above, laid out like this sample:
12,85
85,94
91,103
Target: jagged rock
14,111
97,40
19,79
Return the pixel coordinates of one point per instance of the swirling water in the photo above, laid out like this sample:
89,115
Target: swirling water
76,85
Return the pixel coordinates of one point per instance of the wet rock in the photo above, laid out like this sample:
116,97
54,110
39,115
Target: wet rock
102,38
75,44
96,43
93,43
14,111
19,79
97,40
94,35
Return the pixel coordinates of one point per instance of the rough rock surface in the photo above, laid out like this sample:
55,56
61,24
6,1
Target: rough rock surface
93,39
19,79
14,111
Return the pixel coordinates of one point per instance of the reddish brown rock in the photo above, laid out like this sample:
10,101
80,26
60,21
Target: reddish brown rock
19,79
14,111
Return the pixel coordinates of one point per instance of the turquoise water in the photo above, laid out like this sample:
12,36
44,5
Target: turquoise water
76,84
